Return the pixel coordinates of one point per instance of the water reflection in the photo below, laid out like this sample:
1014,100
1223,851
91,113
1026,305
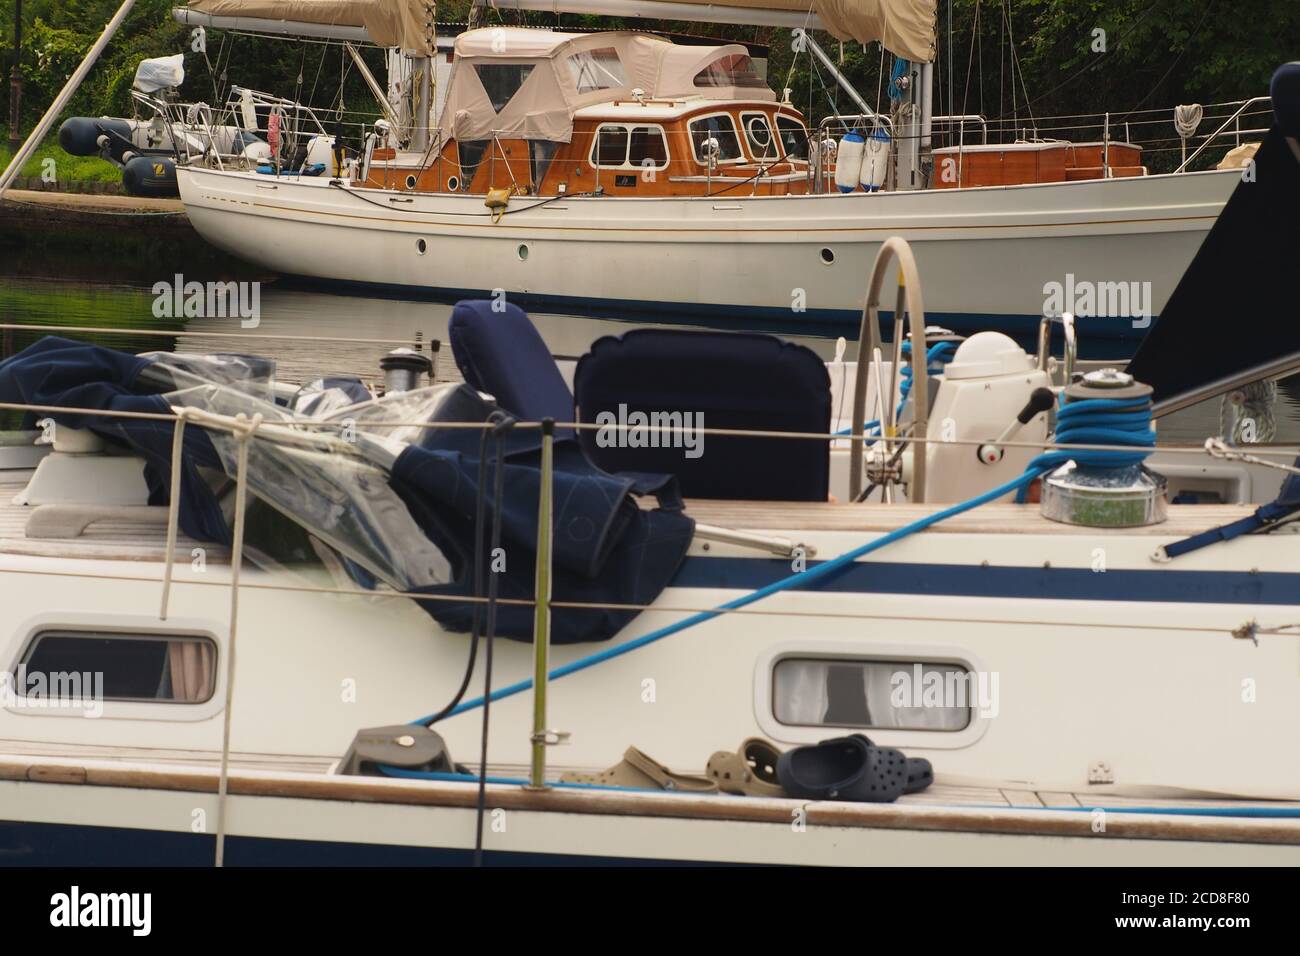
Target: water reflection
318,316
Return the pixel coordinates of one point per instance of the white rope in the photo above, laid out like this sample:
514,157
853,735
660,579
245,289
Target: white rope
173,511
1187,119
182,333
226,423
236,554
1246,414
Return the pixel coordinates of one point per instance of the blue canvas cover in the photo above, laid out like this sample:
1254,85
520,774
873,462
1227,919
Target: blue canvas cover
607,549
499,351
59,371
724,380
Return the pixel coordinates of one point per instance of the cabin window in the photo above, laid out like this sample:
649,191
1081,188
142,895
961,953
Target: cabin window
598,69
63,665
793,136
611,146
721,127
541,152
502,80
735,69
758,133
648,148
470,153
875,694
636,147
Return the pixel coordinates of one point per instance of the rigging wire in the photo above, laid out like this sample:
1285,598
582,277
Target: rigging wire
1196,32
1097,61
475,620
1015,64
503,424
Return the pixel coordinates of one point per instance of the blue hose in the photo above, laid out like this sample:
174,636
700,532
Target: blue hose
798,579
1094,421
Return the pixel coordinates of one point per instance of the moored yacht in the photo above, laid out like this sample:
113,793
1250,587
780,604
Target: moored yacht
622,171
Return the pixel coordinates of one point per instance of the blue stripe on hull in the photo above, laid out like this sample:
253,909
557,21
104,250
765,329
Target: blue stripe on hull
53,844
959,580
1108,339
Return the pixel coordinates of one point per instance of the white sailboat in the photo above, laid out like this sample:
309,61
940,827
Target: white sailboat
742,234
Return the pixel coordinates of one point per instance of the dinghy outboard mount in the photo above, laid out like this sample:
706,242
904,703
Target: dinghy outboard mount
1105,490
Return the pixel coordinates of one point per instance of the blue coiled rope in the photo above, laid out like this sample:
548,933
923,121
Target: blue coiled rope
937,358
1099,421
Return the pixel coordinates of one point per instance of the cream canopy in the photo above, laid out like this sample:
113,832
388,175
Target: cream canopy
550,63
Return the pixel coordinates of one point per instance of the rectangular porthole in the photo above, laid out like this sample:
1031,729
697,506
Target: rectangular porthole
874,694
117,666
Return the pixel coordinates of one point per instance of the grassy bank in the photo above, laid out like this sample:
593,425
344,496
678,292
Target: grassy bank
66,168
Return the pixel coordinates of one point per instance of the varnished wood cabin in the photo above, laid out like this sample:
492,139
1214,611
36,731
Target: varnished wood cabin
542,113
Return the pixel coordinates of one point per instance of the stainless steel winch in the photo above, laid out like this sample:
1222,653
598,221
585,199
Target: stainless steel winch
1098,496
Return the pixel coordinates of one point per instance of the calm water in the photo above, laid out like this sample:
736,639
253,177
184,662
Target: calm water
119,302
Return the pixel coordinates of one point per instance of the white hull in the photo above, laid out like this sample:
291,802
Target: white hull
987,253
1150,686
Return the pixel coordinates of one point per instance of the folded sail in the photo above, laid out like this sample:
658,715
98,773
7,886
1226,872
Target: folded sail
905,28
407,24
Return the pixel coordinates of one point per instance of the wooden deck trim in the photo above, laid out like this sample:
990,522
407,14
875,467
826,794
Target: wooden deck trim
895,816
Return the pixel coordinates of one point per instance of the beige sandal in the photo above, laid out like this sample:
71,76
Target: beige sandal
751,770
640,771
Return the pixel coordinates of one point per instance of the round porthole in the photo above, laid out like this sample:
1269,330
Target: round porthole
453,184
828,256
522,252
410,182
421,246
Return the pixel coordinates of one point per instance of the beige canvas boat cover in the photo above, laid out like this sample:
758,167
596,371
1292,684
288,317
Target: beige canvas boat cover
567,71
407,24
906,28
679,67
903,27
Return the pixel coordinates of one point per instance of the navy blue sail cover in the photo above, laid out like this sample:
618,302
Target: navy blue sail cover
1244,269
607,549
61,372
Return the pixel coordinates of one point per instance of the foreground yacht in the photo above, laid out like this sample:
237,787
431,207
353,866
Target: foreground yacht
225,597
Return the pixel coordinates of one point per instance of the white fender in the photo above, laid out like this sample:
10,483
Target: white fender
848,162
875,160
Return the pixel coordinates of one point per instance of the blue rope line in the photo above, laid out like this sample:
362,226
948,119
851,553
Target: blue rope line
798,579
514,781
1278,813
1120,422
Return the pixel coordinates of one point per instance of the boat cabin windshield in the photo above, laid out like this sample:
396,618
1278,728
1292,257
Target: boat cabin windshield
731,70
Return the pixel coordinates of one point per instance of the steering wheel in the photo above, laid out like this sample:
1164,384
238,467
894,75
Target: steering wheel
909,300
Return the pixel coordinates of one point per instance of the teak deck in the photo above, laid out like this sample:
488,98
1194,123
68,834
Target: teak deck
128,541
